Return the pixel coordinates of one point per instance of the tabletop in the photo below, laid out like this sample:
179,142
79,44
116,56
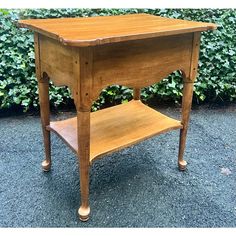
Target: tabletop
91,31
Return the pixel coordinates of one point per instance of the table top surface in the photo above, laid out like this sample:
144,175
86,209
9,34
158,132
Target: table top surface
91,31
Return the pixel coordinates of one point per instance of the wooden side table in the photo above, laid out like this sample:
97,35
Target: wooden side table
87,55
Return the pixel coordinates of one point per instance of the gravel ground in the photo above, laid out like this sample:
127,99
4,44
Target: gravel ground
138,186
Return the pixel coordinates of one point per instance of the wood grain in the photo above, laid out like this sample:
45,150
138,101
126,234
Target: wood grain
82,134
194,58
116,127
82,73
56,61
110,29
140,63
134,64
85,77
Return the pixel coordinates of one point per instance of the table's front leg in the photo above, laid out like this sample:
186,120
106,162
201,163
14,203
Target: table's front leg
83,121
82,73
187,98
43,86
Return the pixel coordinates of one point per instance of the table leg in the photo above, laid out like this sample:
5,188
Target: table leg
83,119
186,107
45,120
136,93
43,86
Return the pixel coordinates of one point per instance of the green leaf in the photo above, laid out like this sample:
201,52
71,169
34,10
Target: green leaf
216,72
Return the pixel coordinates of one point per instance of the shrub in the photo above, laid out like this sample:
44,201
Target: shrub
217,71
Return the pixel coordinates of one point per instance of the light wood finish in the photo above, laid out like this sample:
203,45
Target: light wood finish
125,124
134,64
83,144
140,63
61,70
194,58
186,107
86,79
111,29
136,93
88,54
43,85
83,104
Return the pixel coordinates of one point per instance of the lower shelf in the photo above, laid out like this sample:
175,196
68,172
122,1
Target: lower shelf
116,127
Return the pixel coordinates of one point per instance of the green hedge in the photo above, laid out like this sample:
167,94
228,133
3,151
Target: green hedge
217,66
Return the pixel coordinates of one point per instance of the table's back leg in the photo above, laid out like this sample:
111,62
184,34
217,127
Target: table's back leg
43,85
136,93
186,107
45,120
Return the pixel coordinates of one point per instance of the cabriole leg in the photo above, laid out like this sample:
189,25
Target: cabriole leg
83,154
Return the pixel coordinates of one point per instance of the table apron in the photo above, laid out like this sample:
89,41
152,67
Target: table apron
135,64
141,63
